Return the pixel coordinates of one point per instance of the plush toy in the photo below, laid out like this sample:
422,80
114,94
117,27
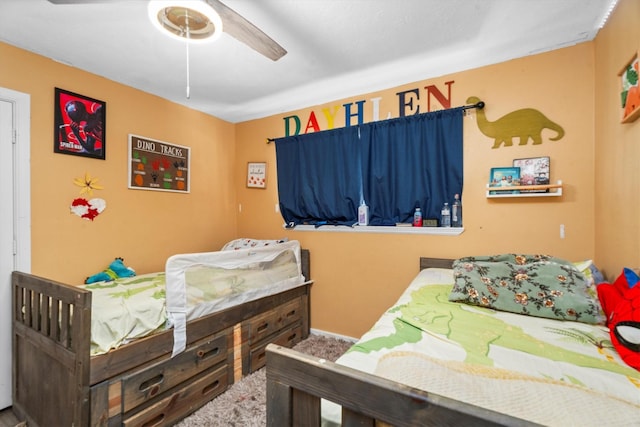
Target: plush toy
116,269
621,304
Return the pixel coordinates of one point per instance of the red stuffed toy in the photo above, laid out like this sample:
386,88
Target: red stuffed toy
621,304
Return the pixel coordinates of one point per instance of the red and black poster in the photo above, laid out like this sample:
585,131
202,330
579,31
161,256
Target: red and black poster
79,127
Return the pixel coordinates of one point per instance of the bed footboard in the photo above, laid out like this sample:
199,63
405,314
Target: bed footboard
296,382
51,339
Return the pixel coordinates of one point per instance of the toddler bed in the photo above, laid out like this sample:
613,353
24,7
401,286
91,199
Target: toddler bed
432,361
150,349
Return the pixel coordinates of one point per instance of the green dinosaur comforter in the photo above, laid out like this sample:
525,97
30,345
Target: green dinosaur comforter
548,371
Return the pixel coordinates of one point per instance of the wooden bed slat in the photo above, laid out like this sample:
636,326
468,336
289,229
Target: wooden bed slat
307,411
54,327
65,332
428,262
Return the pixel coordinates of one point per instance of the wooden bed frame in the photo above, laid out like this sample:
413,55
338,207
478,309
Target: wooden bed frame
57,383
297,382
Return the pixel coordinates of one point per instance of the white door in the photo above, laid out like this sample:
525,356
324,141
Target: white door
15,238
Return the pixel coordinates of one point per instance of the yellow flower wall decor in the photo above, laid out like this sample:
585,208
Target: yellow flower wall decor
88,184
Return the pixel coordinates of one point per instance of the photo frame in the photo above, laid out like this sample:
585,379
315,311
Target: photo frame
79,125
630,90
504,177
257,175
534,171
158,165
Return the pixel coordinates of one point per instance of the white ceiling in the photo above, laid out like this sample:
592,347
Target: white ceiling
336,48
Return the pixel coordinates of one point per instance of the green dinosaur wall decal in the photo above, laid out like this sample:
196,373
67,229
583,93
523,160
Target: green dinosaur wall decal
524,124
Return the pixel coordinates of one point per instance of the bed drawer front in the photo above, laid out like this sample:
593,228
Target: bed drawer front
288,338
145,385
182,401
264,325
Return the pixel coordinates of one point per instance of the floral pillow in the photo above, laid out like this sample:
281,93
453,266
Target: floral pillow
534,285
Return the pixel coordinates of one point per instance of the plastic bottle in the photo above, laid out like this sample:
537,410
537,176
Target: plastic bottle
445,216
456,212
417,218
363,214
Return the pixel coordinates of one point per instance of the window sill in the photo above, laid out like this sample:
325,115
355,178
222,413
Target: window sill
436,231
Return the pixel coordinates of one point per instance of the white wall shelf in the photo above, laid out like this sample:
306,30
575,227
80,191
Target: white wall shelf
552,190
434,231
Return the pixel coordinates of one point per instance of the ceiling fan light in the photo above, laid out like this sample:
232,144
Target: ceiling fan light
194,20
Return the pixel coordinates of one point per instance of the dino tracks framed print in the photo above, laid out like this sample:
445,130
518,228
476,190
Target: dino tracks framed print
158,165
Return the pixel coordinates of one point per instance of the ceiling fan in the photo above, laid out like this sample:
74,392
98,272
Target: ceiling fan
191,24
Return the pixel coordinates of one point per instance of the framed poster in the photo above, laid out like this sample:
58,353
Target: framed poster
158,165
257,175
504,178
630,90
80,124
533,171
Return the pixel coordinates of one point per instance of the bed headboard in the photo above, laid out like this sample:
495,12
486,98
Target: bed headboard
305,260
426,262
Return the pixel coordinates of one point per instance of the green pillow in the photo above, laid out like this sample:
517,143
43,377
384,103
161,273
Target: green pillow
534,285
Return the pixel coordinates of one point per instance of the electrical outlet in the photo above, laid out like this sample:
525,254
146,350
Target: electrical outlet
277,208
562,231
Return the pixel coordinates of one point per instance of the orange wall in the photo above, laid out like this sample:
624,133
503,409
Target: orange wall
144,227
357,276
617,149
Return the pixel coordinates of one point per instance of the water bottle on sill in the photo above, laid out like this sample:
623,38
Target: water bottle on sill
445,216
417,218
363,214
456,212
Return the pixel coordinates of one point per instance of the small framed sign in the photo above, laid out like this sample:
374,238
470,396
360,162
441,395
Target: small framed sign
533,171
257,175
504,178
630,90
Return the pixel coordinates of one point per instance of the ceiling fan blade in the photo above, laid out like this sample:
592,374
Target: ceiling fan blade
232,23
242,30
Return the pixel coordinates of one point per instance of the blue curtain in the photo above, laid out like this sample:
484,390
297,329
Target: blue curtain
412,162
394,165
318,177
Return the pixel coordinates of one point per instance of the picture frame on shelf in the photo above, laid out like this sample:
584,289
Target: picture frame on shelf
257,175
630,90
79,125
534,171
504,177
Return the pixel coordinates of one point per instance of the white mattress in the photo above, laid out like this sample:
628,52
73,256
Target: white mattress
193,286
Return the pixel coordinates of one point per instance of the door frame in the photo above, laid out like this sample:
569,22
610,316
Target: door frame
21,176
18,177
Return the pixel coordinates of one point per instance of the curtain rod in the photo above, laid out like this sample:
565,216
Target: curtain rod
479,105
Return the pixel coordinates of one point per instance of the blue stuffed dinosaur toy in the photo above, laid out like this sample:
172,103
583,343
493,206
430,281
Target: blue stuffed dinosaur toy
115,270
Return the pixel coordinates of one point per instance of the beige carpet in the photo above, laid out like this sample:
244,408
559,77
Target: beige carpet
244,404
